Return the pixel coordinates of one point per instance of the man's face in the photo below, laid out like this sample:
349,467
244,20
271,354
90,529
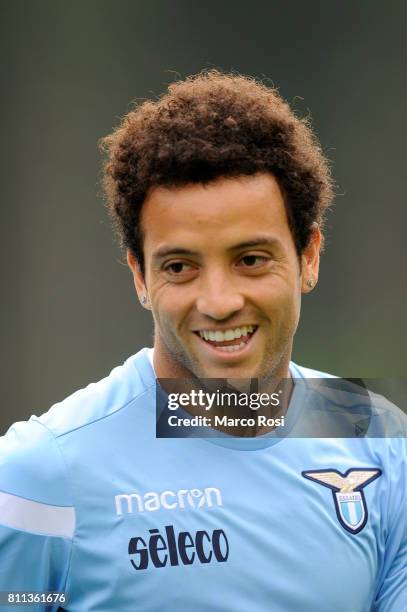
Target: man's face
223,278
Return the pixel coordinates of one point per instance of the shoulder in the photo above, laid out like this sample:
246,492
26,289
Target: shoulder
31,465
32,460
298,371
372,414
99,400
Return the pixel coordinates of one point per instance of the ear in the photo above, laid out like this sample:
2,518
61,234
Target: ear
138,279
310,261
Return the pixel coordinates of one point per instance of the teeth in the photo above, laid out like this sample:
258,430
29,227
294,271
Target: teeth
229,334
230,349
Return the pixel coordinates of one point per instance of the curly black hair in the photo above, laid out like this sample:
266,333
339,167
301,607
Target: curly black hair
208,126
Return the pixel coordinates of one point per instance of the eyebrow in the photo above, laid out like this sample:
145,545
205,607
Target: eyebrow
260,241
165,251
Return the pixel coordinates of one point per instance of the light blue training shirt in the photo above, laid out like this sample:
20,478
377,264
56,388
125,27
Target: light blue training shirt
94,505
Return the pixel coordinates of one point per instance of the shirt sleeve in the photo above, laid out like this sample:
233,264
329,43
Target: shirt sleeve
392,592
392,596
37,516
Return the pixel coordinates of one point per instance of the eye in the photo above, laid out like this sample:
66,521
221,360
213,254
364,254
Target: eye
179,270
176,268
253,261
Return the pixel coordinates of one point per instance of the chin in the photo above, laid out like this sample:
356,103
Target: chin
227,372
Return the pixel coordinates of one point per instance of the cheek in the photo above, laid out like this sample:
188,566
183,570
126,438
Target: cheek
279,294
167,310
172,301
282,307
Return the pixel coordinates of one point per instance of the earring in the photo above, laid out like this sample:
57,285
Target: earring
144,300
310,283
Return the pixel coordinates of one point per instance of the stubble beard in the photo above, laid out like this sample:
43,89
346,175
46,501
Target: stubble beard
273,360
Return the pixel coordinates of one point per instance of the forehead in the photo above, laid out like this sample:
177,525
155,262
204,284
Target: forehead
222,212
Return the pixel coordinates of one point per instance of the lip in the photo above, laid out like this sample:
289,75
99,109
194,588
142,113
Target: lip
225,356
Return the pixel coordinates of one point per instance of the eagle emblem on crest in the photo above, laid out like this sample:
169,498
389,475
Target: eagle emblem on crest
347,491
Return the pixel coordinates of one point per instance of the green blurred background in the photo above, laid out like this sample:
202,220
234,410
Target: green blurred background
70,70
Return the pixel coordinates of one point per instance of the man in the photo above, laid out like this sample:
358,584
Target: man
219,194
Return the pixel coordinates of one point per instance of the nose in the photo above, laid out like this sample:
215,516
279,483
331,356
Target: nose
219,297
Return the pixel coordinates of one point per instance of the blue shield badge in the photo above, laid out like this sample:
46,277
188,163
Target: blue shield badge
351,509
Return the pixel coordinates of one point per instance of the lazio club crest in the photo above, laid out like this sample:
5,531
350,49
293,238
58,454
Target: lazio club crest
347,491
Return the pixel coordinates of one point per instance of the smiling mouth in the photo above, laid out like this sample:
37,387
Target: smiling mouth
229,340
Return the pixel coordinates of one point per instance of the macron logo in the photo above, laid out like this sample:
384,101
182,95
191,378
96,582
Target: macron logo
169,500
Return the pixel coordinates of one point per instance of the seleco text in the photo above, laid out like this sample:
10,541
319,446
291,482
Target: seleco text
184,549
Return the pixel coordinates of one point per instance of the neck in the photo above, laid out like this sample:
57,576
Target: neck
166,367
